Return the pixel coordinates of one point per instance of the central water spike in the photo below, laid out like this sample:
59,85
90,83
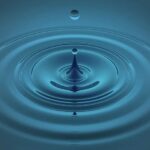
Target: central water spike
74,73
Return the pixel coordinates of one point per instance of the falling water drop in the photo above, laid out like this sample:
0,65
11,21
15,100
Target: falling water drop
74,14
74,51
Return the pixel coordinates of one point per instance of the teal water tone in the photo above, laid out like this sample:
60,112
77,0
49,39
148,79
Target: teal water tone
73,77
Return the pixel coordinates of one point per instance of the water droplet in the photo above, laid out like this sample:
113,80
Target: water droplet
74,51
74,113
74,14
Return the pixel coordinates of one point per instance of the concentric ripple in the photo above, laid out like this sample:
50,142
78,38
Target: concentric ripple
113,90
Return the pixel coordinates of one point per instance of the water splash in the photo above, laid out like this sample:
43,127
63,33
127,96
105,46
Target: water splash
115,107
75,74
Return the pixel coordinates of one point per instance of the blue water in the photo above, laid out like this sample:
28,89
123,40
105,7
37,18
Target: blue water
75,87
